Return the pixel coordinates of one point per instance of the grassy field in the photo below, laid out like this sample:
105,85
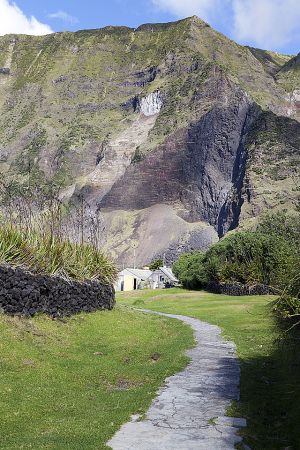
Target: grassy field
71,384
270,366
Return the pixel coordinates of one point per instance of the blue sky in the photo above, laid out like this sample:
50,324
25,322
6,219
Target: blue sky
94,13
272,24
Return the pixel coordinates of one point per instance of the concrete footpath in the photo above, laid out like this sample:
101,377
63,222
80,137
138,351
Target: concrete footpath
189,410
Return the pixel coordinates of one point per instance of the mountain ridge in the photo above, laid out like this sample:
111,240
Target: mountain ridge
71,113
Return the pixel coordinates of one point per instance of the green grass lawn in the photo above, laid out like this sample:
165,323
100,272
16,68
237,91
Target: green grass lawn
270,364
71,384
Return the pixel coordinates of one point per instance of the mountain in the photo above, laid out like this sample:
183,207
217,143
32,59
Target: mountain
172,133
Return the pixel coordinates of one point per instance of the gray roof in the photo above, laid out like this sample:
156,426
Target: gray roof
168,272
142,274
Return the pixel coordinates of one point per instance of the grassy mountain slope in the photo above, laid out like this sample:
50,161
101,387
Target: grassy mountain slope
70,111
289,73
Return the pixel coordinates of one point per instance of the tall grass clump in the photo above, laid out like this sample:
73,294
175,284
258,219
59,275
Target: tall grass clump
53,256
45,235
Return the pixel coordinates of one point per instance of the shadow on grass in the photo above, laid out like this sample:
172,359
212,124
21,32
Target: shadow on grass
272,389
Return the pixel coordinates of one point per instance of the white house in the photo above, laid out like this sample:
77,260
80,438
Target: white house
132,279
162,277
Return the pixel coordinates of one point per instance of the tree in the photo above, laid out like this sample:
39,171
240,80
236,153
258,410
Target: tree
287,227
282,224
252,257
156,264
189,270
243,257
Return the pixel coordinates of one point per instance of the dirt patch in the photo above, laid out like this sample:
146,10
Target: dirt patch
123,384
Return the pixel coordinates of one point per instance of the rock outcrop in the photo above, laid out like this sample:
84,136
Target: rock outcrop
151,104
294,99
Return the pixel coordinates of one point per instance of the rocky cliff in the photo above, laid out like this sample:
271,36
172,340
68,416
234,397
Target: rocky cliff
172,133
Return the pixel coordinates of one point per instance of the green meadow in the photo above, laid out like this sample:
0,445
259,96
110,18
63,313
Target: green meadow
71,383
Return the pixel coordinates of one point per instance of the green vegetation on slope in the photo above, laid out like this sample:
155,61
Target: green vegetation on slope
70,96
270,362
289,74
77,85
272,61
71,384
273,146
52,256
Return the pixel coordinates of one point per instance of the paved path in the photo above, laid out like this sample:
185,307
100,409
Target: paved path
189,411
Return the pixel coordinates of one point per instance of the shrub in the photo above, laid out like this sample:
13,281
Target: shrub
250,258
189,270
244,257
53,256
287,226
282,224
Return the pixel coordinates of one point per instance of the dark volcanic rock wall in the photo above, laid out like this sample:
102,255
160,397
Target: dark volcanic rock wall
238,289
229,213
157,178
24,293
213,151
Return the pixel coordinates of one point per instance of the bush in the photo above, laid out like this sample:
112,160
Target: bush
288,305
53,256
244,257
282,224
189,270
250,258
286,226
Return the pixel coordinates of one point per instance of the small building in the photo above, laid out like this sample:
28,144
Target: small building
161,278
132,279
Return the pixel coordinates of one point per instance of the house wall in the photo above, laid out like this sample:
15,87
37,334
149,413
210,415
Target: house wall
153,281
156,283
128,282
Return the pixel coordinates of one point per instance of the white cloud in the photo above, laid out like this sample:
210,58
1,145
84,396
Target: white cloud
266,23
183,8
13,20
64,16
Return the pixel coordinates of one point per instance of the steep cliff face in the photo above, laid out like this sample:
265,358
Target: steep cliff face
195,165
171,132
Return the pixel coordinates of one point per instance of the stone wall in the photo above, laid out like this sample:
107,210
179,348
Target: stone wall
240,289
24,293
